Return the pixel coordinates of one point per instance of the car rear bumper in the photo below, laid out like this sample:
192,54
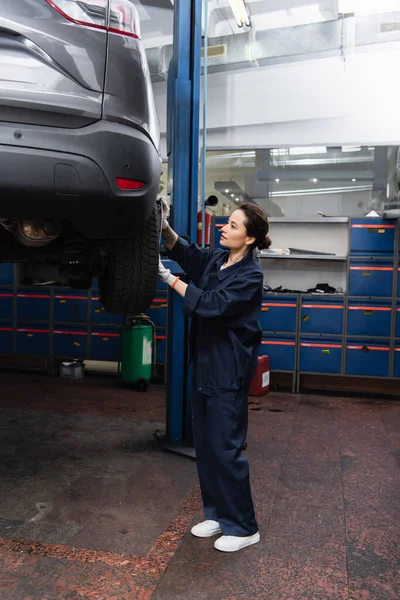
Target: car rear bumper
71,174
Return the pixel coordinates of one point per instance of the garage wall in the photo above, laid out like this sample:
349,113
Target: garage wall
328,101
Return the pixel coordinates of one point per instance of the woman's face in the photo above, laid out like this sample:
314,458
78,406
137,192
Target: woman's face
234,233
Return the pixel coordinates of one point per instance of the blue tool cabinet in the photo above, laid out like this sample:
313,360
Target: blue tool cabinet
369,317
157,312
322,315
70,341
161,346
33,304
371,277
398,283
6,303
398,319
70,307
320,355
33,339
372,237
105,343
367,357
396,370
281,350
278,313
6,337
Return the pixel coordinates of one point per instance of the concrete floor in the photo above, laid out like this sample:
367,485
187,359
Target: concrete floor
92,508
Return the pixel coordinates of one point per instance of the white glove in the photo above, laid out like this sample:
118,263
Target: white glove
165,274
164,211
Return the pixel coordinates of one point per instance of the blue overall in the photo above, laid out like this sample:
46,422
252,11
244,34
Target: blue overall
226,334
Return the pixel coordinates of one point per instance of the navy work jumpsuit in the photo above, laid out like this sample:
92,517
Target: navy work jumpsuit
224,306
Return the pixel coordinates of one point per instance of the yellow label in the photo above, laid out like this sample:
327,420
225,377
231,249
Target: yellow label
366,273
371,230
368,313
63,302
265,309
326,351
77,344
105,339
97,310
306,318
381,231
30,334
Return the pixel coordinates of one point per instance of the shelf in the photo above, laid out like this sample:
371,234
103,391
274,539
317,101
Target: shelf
303,257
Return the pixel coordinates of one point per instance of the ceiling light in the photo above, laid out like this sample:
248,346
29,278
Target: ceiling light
301,150
277,180
232,195
237,199
226,191
354,179
351,148
314,180
239,9
368,7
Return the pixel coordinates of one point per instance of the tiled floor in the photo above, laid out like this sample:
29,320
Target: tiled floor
92,508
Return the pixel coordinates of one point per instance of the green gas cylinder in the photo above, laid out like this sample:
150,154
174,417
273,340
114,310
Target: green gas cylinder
137,353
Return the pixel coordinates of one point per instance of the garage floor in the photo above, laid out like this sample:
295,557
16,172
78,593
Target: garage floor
92,508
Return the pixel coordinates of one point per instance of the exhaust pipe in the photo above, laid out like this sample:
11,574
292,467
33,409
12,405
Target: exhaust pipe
31,232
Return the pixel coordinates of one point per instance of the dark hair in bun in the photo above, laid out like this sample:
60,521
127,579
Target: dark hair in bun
257,225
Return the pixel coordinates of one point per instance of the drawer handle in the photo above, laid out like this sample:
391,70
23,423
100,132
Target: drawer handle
306,318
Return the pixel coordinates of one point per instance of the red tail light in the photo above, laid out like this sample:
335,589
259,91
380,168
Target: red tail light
116,16
129,184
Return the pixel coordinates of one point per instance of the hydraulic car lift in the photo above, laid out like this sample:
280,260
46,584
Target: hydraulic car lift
183,125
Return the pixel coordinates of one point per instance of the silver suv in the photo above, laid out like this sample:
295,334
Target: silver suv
79,161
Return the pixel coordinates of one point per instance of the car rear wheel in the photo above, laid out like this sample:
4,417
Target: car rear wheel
129,282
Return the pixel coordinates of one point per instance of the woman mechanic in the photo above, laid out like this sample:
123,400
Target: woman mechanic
224,303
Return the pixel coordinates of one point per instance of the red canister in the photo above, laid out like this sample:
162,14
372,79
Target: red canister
260,383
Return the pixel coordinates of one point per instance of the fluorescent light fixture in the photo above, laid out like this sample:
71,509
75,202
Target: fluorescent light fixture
239,9
301,150
314,180
351,148
354,179
226,191
367,7
322,191
277,180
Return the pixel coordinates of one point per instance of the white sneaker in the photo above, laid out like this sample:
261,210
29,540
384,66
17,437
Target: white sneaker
206,529
232,543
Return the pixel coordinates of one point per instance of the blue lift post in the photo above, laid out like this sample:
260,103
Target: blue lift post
183,125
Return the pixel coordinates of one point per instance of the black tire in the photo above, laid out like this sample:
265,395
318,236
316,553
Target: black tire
130,279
